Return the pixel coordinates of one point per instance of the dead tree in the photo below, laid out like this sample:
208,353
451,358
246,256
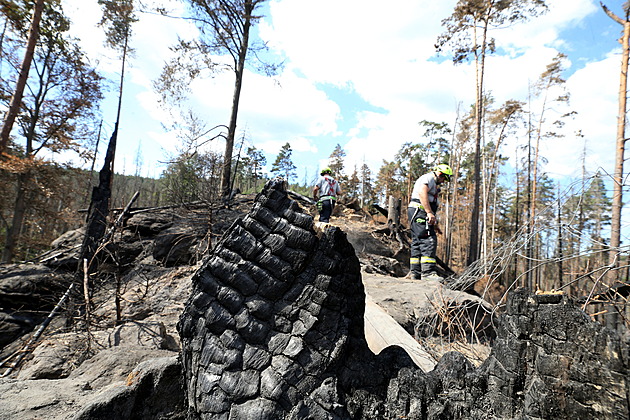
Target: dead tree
99,206
615,228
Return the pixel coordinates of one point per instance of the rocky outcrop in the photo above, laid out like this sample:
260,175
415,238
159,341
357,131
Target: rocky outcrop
153,390
171,236
148,241
133,371
274,329
427,308
26,292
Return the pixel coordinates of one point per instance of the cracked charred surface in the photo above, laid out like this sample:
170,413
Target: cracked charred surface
274,329
551,361
274,326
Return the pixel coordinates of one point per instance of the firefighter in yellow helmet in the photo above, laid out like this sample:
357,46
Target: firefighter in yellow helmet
423,222
325,193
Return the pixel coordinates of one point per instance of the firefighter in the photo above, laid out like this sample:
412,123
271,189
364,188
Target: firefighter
325,193
423,223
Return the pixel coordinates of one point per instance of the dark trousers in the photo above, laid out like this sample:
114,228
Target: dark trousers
326,210
423,242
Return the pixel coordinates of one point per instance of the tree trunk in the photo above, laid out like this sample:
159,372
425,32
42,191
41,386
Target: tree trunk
517,210
23,180
96,223
615,230
19,210
238,83
91,173
560,245
617,205
473,239
16,99
393,213
492,170
528,211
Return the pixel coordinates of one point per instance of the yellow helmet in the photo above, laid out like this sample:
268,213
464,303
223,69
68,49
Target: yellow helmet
445,169
326,170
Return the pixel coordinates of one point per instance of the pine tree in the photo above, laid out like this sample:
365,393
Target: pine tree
252,166
191,176
335,162
351,187
386,181
58,111
366,188
118,18
618,173
25,68
283,165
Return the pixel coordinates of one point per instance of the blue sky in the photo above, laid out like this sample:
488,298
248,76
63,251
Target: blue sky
362,75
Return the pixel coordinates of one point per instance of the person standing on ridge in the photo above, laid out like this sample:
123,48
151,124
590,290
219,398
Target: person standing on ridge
325,193
423,223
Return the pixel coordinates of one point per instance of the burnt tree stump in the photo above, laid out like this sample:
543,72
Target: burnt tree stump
274,316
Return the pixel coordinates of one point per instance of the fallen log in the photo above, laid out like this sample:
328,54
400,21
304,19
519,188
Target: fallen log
382,331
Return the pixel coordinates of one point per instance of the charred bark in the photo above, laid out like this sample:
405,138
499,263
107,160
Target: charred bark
96,223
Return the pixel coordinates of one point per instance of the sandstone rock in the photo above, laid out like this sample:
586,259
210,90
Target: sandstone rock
27,292
174,246
153,390
64,252
148,224
426,307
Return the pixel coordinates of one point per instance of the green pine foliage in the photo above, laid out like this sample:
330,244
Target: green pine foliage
336,163
192,177
249,174
283,165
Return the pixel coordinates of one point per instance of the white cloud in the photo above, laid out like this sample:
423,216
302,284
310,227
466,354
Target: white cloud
293,106
594,97
272,112
85,16
543,31
341,42
383,55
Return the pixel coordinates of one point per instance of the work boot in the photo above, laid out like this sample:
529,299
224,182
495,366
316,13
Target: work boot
432,276
413,275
